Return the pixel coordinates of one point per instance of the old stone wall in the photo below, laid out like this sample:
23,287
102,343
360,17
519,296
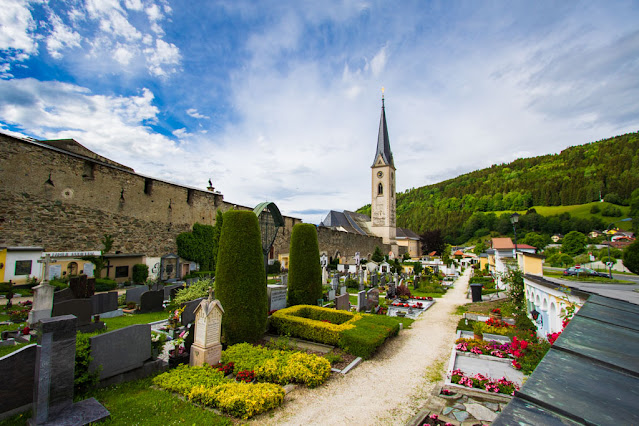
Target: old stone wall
63,201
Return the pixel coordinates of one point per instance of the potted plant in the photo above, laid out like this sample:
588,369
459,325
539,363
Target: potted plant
478,330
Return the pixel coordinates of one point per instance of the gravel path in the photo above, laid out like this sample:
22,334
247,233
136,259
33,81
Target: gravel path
388,389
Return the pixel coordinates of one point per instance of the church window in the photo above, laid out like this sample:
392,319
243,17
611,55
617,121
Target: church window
89,170
121,271
189,196
380,189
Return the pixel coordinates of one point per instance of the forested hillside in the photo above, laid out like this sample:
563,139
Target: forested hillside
577,175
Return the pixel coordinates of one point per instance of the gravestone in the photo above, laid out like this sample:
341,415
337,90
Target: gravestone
276,296
188,315
104,302
17,371
342,303
152,301
343,290
324,275
415,283
391,292
383,280
82,287
375,280
174,291
168,289
42,303
134,294
335,283
372,297
120,350
396,278
54,376
331,295
62,295
284,279
362,303
206,348
81,308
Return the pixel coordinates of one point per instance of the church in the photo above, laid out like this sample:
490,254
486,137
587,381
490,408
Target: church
382,222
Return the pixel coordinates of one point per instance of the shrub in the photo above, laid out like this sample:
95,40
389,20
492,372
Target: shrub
240,399
198,245
105,284
308,322
83,379
271,365
140,273
369,333
275,268
304,273
631,257
594,209
240,283
183,378
194,291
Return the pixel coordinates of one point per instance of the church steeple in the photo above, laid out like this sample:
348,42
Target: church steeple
383,143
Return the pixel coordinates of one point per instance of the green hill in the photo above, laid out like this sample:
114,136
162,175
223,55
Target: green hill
562,186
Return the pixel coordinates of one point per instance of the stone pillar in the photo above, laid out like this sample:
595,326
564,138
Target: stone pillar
54,374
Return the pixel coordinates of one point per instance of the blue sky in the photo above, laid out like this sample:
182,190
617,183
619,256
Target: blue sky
280,100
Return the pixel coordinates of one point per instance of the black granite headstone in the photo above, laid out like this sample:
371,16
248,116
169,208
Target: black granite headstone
62,295
168,290
82,287
104,302
81,308
134,294
120,350
152,301
17,371
188,315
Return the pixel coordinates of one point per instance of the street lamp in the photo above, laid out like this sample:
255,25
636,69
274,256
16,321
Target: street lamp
610,242
514,218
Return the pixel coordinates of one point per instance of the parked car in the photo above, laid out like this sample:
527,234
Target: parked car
580,270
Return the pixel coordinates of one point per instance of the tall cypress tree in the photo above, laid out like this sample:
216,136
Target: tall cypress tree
304,272
240,282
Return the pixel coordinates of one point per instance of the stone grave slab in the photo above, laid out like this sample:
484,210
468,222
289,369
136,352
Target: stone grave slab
276,296
188,315
62,295
152,301
17,371
81,308
331,295
120,350
168,290
362,303
342,302
104,302
134,294
343,290
372,298
82,286
42,303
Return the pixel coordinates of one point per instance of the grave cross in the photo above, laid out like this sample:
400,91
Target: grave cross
46,260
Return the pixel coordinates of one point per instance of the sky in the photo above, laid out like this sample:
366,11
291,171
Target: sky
280,100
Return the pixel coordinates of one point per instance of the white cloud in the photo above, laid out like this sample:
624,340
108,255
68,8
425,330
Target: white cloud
378,62
134,5
193,113
60,37
123,55
163,59
17,27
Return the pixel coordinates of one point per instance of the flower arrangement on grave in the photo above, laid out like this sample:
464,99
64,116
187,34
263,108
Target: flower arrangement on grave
246,376
497,323
225,368
178,345
158,340
174,317
480,381
528,353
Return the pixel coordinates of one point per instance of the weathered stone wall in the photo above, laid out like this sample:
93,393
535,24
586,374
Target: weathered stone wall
89,199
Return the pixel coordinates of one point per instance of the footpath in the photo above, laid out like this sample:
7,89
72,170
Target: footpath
390,388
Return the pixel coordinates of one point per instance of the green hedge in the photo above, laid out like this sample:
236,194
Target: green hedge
304,272
307,322
369,333
358,334
105,284
240,283
140,273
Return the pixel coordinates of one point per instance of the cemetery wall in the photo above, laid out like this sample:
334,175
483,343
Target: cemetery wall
64,201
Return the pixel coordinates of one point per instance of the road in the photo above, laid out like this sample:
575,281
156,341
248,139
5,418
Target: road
628,292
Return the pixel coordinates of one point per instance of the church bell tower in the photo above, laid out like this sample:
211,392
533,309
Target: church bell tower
383,187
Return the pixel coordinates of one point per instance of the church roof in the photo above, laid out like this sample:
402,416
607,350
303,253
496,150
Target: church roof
383,143
405,233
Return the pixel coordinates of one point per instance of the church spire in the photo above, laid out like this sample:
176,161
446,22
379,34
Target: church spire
383,143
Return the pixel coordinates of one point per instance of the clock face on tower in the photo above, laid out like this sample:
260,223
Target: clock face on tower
380,174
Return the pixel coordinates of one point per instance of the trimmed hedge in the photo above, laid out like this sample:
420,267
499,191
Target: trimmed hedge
304,271
275,366
105,284
307,322
358,334
240,283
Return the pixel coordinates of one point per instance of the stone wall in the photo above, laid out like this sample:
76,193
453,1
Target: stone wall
63,201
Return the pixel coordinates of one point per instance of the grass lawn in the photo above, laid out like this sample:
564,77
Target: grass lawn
6,350
131,319
137,403
424,294
484,308
598,280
